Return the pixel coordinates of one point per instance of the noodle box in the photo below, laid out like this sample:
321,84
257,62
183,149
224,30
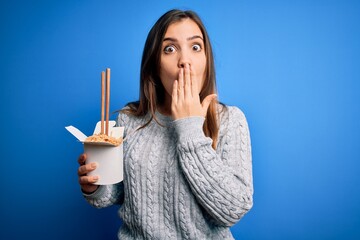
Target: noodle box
109,158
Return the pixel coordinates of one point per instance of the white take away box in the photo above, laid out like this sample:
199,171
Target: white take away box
108,157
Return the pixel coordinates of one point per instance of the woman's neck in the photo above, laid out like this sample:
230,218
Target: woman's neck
165,107
166,111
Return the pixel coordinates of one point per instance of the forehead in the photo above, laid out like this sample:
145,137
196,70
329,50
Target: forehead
183,29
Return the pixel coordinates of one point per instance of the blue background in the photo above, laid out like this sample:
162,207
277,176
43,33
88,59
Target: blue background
293,67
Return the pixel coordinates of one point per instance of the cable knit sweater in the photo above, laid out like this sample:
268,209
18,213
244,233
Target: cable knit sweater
176,186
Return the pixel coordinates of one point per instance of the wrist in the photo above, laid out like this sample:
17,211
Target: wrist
189,127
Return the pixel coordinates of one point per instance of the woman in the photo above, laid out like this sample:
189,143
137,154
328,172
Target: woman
187,168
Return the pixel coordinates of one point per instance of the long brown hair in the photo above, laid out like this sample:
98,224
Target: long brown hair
152,92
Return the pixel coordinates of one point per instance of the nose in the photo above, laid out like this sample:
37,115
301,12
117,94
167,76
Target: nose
184,58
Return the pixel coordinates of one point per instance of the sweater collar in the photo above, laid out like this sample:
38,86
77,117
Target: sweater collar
163,119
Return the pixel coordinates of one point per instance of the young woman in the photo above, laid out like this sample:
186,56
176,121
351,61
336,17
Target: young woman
187,161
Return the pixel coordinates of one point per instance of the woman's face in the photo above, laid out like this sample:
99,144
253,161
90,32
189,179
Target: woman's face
183,44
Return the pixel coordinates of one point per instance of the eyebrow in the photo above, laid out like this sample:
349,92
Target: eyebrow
189,38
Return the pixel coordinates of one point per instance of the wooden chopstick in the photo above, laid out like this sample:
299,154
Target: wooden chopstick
102,101
107,100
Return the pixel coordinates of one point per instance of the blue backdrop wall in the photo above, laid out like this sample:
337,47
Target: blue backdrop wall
291,66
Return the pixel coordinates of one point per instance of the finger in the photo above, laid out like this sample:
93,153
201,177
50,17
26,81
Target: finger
83,180
206,102
181,84
82,159
89,188
194,88
187,82
84,169
174,94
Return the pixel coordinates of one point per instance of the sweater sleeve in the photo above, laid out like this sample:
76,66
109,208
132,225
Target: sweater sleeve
106,195
221,180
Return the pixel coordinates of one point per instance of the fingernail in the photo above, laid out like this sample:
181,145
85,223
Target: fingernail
93,165
96,178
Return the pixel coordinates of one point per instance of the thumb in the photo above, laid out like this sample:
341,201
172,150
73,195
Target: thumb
207,100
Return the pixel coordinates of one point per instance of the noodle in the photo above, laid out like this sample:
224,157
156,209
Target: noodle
104,138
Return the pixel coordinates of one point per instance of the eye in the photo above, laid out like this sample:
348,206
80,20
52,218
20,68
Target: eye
197,47
169,49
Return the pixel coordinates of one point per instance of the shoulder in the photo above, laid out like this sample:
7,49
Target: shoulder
234,129
122,116
128,119
125,117
230,114
232,121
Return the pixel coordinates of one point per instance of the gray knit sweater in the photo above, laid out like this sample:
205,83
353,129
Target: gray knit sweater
176,186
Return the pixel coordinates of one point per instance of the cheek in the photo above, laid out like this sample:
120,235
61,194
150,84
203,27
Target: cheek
200,74
168,85
168,74
166,81
167,71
